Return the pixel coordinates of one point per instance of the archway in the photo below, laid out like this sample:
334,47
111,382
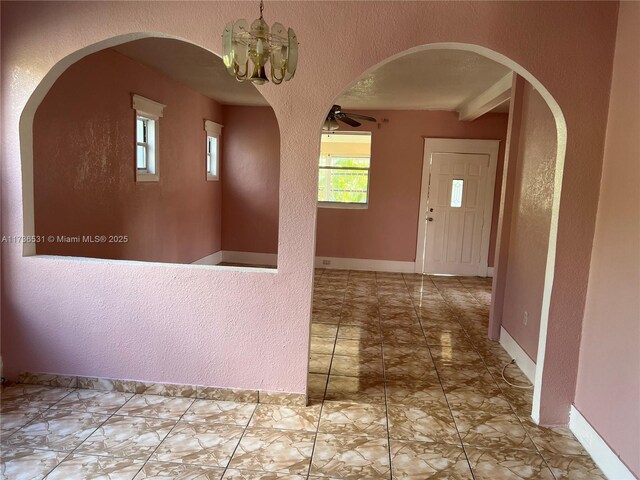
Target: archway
189,191
501,255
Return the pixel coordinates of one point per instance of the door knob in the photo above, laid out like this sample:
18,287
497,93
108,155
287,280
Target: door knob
429,219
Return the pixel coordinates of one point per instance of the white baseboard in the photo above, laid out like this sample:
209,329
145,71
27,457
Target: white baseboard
245,258
489,271
213,259
516,352
365,264
600,452
250,258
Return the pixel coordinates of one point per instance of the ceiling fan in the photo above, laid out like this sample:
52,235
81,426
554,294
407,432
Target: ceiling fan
337,115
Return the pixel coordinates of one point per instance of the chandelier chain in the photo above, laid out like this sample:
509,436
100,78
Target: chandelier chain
261,8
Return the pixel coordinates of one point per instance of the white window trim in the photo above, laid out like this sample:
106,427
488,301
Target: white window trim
213,129
347,205
151,110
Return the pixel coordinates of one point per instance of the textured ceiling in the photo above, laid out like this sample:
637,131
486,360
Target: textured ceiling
193,66
426,80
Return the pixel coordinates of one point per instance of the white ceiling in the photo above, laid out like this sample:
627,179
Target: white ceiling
193,66
425,80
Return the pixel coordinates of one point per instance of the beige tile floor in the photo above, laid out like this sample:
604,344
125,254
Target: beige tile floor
403,384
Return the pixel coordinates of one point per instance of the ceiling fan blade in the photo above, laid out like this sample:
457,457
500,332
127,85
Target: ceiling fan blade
349,121
360,117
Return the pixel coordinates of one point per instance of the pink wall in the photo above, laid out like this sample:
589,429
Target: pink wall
84,166
608,390
388,228
250,171
79,317
535,164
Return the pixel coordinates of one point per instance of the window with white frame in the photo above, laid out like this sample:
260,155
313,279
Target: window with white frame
343,177
148,114
214,132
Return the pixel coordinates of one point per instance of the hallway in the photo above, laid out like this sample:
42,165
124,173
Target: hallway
403,359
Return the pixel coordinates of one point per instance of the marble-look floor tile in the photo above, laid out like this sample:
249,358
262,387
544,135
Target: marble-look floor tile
554,440
58,430
286,418
573,467
354,419
427,423
422,461
506,464
324,330
405,391
492,430
271,450
469,399
14,417
82,467
28,464
234,474
356,389
354,348
356,366
178,471
93,401
199,444
127,437
222,412
319,363
350,457
34,396
316,386
322,345
156,406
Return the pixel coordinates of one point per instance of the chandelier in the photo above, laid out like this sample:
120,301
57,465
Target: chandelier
242,46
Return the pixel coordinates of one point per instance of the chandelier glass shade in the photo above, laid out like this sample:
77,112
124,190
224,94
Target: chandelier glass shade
246,51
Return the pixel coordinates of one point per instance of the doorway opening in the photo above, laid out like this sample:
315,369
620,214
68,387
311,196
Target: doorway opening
456,206
351,243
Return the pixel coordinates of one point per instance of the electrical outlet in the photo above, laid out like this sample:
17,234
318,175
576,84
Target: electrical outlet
326,262
525,320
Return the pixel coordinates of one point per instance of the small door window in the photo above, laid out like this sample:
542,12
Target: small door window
457,186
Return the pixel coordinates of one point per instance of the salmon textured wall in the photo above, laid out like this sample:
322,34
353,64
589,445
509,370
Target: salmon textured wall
530,221
387,229
608,390
250,170
250,329
84,166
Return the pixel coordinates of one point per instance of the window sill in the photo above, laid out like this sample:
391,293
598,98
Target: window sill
346,206
212,178
147,177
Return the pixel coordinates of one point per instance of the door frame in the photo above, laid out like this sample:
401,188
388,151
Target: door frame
458,145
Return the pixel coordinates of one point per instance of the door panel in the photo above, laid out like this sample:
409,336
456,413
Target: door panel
454,235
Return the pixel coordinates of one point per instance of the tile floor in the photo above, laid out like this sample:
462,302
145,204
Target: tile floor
403,384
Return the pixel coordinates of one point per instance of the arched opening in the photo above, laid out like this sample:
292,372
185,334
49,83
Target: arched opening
143,148
348,314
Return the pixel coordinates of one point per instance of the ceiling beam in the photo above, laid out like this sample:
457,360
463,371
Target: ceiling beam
493,96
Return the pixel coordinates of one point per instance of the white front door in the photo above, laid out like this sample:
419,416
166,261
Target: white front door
456,209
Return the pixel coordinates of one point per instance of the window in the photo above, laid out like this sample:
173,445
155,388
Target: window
214,132
345,160
148,114
457,187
